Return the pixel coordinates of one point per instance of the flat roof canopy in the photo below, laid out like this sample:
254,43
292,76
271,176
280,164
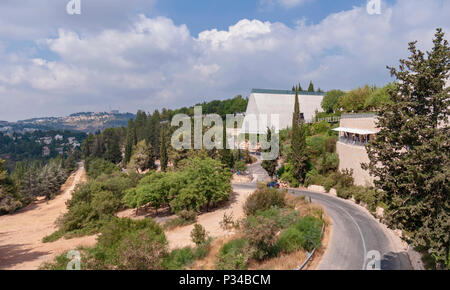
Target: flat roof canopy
355,131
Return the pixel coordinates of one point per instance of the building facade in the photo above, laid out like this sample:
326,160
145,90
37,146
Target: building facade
264,103
355,131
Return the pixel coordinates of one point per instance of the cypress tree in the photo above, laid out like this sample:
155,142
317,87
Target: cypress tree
410,156
299,157
131,137
311,87
225,154
163,150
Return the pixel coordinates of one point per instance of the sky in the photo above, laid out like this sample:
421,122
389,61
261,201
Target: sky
150,54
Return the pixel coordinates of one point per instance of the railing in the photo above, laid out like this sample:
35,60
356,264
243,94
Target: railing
351,142
333,119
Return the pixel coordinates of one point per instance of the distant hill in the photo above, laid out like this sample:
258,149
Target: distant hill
88,122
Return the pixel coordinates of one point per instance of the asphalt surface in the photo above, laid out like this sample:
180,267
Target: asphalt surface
355,232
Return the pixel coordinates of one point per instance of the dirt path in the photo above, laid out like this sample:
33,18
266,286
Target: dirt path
21,233
181,237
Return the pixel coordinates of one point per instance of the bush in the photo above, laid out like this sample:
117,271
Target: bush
179,259
283,217
264,198
261,234
311,229
188,215
141,250
198,235
291,240
234,255
98,166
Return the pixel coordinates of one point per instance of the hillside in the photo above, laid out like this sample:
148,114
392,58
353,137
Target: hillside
88,122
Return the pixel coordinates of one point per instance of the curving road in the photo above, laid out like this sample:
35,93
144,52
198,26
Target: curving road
355,233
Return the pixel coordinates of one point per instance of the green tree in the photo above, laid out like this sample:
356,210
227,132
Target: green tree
330,102
164,158
143,157
311,87
354,100
226,156
130,142
9,199
298,144
379,97
410,155
270,165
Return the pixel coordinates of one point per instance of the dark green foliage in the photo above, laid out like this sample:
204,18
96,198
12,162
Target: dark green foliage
234,255
271,164
9,199
304,234
311,87
164,158
413,150
198,235
130,142
263,199
200,183
98,166
299,157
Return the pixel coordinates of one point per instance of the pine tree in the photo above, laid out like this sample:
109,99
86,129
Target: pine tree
131,137
163,150
270,165
410,156
225,154
311,87
299,88
299,156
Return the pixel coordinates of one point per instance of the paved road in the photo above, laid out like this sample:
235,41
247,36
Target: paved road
355,233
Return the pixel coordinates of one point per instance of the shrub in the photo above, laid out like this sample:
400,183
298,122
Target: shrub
263,199
179,259
98,166
188,215
198,234
261,234
290,240
142,250
234,255
227,221
283,217
311,229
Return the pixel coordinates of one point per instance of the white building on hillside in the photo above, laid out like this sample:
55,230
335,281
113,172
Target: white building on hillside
264,103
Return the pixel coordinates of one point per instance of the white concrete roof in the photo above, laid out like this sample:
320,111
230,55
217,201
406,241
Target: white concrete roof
355,131
279,104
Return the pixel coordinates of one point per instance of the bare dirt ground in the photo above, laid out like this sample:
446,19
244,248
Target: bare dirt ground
21,233
180,237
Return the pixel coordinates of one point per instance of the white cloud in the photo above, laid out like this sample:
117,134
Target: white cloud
152,62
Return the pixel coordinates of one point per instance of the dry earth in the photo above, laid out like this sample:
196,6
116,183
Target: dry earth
21,234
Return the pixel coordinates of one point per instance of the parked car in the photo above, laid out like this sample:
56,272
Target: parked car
273,184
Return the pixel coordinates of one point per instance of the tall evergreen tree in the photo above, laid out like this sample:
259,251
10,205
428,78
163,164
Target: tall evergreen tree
270,165
131,138
299,88
311,87
226,155
299,156
410,156
163,150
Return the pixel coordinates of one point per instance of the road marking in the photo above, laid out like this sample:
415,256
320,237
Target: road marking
357,226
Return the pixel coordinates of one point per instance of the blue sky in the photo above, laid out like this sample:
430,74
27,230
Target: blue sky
201,15
150,54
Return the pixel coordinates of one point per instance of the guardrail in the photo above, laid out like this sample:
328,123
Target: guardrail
309,255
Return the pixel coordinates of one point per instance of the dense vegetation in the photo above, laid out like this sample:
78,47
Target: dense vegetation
413,149
272,227
33,179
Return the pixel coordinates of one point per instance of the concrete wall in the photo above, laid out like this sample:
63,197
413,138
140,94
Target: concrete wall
352,156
